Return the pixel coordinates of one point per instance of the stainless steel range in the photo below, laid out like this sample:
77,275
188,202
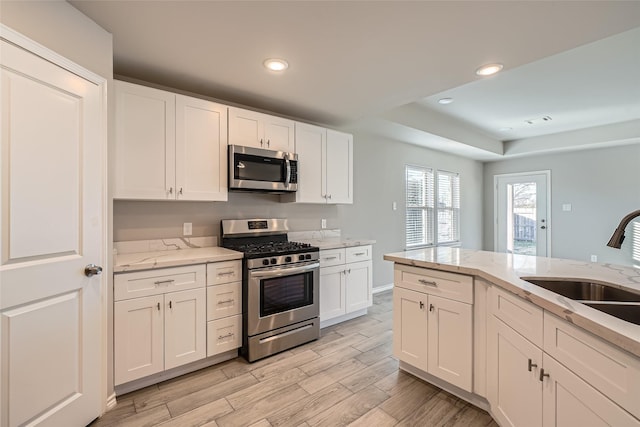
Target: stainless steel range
280,285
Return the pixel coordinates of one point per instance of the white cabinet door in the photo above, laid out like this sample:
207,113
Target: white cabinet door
145,142
514,388
310,147
339,172
253,129
332,292
450,341
569,401
201,150
359,285
279,134
138,338
245,128
410,327
185,327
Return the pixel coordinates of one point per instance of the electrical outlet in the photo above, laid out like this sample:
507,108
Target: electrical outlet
187,229
323,223
594,258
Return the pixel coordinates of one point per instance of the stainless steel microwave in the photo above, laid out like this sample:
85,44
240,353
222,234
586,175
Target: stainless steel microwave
257,169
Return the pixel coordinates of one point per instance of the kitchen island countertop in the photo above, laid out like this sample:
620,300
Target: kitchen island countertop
506,270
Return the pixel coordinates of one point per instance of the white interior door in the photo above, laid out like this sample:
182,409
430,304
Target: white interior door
522,213
51,227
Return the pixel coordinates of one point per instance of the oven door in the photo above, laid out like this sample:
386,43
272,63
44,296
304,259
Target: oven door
281,296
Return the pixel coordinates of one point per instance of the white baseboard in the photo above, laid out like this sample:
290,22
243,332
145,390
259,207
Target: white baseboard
382,288
111,401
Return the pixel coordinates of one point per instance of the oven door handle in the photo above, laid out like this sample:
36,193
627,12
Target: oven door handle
277,272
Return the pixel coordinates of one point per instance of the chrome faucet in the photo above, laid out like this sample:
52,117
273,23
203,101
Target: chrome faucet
618,235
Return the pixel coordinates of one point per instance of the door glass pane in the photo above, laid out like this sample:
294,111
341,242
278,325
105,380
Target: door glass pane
521,218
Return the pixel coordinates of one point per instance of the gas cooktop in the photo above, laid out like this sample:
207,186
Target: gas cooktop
269,248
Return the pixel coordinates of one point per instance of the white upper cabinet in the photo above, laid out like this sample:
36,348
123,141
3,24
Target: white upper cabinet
325,166
253,129
201,149
169,146
145,143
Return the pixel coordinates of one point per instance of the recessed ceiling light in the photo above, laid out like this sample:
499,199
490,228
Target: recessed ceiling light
275,64
489,69
445,101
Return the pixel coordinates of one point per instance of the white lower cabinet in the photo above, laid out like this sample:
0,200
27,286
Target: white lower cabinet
345,287
160,331
430,332
528,387
224,306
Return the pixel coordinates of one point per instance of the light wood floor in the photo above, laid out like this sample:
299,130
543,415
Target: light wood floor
347,377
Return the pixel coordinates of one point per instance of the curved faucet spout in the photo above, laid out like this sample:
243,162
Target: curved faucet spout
618,235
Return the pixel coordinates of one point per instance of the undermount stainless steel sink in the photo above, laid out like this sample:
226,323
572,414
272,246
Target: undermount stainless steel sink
629,312
583,290
614,301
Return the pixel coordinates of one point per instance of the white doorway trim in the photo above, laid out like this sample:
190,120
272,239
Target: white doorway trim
547,175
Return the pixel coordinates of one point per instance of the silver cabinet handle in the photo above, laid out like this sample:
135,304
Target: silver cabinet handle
532,365
158,306
261,142
268,143
431,307
225,301
226,273
170,190
162,282
92,270
542,374
359,253
170,305
328,196
329,258
428,282
180,190
421,305
221,337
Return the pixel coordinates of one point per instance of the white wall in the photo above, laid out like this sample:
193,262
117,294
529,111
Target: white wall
602,185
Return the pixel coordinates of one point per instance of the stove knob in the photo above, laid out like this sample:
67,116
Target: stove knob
300,257
307,256
273,260
287,259
265,262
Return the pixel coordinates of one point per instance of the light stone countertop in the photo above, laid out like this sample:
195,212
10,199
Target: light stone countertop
505,270
172,258
337,243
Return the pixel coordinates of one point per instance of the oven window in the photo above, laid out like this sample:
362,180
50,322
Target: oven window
257,168
285,293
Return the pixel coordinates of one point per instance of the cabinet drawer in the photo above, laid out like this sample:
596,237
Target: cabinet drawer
447,285
332,257
224,300
224,272
154,282
608,369
358,253
522,316
224,334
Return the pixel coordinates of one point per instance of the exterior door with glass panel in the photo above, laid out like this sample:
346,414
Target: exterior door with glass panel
522,213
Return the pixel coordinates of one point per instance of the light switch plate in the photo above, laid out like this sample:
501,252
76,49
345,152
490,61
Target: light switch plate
323,223
566,207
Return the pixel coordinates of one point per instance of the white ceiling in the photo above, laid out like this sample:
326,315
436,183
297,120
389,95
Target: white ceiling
381,66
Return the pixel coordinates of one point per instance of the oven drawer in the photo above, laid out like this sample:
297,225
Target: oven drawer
332,257
224,272
224,300
154,282
358,253
224,334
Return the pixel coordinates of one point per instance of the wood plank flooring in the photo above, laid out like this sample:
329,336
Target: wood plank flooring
347,377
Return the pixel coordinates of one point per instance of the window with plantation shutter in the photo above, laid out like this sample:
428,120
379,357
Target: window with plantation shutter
419,227
433,207
448,207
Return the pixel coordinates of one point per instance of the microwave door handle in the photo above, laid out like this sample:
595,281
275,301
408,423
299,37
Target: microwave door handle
287,179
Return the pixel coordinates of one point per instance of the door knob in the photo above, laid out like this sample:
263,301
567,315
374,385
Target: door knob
92,270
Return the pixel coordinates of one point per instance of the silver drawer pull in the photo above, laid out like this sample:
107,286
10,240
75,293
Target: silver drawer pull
162,282
225,301
221,337
428,282
330,258
227,273
359,253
